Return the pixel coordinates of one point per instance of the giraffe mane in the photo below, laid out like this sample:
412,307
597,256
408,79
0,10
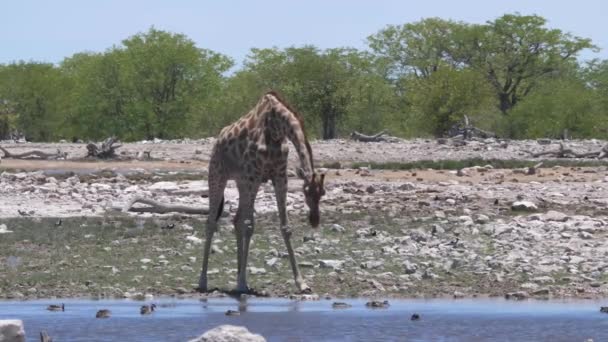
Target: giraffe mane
298,116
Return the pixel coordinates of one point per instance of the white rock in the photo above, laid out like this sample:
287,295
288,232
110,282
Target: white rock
130,189
271,262
410,268
482,219
163,186
4,229
229,333
257,270
524,206
553,215
102,187
372,264
145,261
407,186
11,330
194,239
337,228
333,264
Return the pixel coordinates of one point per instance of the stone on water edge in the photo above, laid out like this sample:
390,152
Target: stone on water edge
229,333
11,330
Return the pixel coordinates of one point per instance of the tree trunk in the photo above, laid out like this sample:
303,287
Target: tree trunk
329,126
505,102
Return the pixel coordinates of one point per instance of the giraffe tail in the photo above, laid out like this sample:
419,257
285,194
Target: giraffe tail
220,210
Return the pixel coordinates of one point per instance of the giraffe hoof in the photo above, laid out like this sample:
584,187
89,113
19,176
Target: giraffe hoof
305,289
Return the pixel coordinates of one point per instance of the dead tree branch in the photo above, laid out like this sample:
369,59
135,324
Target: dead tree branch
33,154
162,208
379,137
468,131
107,150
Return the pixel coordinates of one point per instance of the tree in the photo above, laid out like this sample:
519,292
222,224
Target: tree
169,74
30,91
331,86
7,111
418,48
447,95
556,105
98,101
157,84
515,52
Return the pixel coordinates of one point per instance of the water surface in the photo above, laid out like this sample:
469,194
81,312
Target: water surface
285,320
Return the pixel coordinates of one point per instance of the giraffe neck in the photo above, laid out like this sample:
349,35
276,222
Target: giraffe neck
293,129
304,154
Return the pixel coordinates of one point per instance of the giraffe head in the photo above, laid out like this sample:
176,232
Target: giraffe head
313,191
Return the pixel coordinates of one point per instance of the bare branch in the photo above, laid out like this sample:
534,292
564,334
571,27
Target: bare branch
33,154
162,208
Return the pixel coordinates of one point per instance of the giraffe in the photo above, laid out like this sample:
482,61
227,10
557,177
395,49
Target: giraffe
252,151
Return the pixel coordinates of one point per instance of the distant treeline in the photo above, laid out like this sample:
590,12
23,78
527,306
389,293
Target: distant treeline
512,75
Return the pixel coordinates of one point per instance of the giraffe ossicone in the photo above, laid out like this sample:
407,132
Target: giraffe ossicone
252,151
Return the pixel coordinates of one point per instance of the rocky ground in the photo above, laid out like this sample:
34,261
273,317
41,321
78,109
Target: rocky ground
385,233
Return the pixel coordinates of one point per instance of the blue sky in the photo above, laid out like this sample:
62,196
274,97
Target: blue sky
51,30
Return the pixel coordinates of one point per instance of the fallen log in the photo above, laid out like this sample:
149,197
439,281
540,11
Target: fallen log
564,152
106,150
162,208
34,154
378,137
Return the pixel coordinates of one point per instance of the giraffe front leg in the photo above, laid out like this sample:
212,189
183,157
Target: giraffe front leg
280,188
239,245
246,233
297,276
244,226
209,231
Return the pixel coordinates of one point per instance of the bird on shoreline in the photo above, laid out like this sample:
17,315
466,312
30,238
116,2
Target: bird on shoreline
104,313
377,304
232,313
147,309
340,305
55,307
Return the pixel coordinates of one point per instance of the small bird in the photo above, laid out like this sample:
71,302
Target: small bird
147,309
232,313
104,313
55,307
340,305
58,223
415,317
378,304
